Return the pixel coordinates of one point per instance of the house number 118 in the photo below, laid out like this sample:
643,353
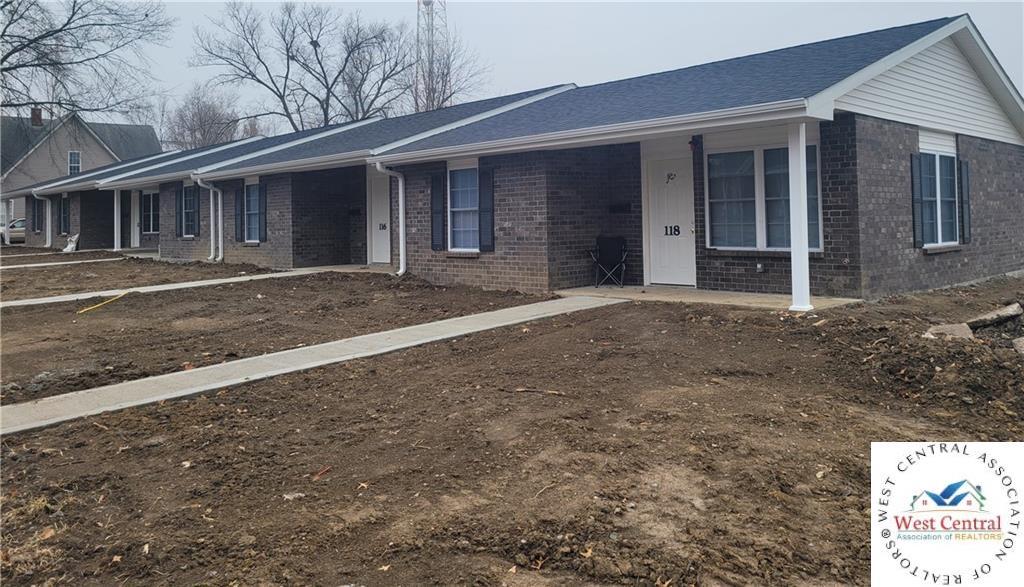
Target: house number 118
672,230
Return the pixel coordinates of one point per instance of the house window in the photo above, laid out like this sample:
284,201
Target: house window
252,213
65,215
74,162
463,210
748,199
189,211
732,199
38,211
150,213
776,198
939,220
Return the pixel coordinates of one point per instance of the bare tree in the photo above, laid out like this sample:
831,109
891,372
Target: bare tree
205,116
78,55
314,64
446,70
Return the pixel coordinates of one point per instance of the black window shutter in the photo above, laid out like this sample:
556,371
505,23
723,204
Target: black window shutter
915,187
437,236
240,213
965,202
179,221
263,212
486,211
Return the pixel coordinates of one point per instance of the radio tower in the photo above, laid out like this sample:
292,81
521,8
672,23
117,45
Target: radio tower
431,55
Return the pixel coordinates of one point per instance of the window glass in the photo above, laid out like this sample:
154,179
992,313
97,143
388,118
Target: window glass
19,223
929,207
151,213
189,212
732,199
947,199
252,213
464,207
74,162
776,198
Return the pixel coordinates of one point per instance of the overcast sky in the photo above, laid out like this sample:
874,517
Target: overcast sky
534,44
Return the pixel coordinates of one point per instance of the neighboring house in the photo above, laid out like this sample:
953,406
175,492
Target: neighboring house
906,143
36,149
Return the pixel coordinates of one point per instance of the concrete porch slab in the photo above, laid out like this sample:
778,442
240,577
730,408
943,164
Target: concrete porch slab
77,404
689,295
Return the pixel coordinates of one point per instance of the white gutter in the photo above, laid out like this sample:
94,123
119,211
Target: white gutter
49,218
213,218
202,153
401,215
322,162
619,132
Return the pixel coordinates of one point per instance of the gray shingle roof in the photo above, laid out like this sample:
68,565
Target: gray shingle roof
127,141
382,132
775,76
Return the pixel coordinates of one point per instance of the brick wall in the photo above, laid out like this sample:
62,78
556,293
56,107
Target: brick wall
177,247
38,239
591,192
329,217
276,251
519,259
834,270
890,261
92,213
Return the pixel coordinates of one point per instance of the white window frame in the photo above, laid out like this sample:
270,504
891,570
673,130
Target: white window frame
246,212
79,164
760,219
461,165
150,196
936,154
184,211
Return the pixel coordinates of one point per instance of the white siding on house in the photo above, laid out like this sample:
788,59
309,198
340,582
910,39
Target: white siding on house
930,141
937,89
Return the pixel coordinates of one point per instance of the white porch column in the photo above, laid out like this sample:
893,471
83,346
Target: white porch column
798,218
117,220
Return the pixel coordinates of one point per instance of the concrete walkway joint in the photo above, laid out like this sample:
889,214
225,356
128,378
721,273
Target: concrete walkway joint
78,404
74,297
55,263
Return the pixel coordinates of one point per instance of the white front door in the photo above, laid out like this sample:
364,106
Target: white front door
380,219
670,222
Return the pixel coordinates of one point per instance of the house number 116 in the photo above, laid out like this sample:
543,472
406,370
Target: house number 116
672,230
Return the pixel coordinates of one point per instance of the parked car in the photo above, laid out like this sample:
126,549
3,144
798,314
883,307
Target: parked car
14,232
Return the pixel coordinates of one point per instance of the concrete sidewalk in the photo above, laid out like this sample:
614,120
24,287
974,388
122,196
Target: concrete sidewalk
50,410
55,263
164,287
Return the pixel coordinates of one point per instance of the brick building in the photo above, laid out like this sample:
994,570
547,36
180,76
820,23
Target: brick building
905,146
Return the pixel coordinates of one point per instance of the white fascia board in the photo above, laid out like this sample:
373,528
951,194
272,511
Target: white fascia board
824,101
608,134
288,145
310,164
186,173
475,118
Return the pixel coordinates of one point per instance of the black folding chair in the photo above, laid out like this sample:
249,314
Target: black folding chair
609,260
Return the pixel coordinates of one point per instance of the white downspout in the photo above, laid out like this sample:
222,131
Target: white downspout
213,219
401,215
49,218
220,225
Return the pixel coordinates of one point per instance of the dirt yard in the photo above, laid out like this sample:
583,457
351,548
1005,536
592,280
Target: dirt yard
7,260
51,349
640,444
13,250
41,282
